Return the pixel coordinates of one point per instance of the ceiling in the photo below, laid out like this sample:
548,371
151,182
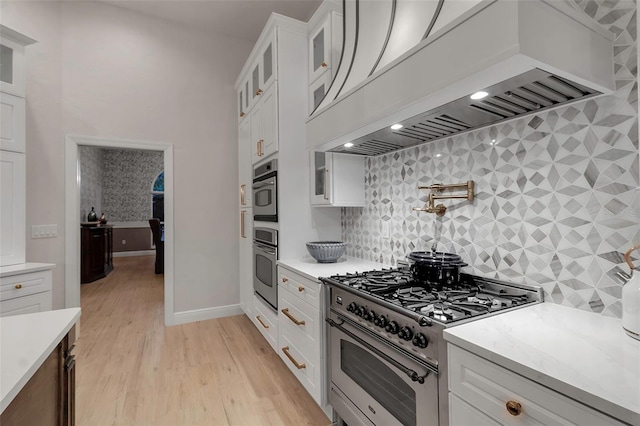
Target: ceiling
237,18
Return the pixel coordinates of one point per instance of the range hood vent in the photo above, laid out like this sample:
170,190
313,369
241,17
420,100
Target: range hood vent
528,55
525,94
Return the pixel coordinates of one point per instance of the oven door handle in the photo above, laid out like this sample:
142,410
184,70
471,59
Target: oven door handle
413,375
261,184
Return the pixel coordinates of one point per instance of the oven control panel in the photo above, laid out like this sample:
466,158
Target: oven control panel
402,330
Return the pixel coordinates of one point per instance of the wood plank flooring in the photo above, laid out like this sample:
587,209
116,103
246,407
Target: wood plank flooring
131,370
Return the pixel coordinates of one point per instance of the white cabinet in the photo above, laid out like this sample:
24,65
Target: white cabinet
25,289
500,396
245,259
12,61
301,331
337,179
263,70
12,208
266,321
12,123
243,100
325,48
264,125
244,164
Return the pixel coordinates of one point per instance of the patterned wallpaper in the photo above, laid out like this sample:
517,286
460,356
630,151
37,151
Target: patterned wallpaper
118,182
91,172
557,195
128,177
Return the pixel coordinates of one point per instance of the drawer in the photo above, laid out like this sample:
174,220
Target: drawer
490,388
301,287
306,370
300,322
462,414
24,284
266,320
38,302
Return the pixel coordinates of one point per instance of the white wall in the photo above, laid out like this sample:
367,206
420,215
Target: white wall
99,70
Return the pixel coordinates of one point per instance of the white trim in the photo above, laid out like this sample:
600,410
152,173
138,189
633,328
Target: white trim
72,210
134,253
206,314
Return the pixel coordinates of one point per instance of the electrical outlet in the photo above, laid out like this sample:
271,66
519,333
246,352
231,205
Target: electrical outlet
386,234
124,242
44,231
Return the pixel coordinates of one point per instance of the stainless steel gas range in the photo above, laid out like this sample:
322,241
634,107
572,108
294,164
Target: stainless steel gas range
388,359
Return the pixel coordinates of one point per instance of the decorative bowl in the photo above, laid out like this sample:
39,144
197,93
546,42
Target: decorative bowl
326,251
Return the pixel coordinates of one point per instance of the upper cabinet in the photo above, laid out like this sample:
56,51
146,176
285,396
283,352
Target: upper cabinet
337,179
12,61
325,48
271,73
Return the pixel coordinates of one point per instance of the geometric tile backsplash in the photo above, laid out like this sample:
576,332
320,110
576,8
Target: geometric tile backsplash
557,193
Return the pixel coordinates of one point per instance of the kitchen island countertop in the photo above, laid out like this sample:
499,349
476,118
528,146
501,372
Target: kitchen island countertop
583,355
313,270
25,343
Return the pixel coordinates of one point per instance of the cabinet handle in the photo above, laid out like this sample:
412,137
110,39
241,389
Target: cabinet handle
301,289
514,408
258,92
326,189
261,322
295,320
242,233
242,114
261,151
243,189
323,65
18,286
285,279
292,359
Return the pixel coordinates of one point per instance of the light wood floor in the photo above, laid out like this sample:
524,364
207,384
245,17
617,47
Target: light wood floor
134,371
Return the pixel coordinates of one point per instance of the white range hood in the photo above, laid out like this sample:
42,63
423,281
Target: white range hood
417,62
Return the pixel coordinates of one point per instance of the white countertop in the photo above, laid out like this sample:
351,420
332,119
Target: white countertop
25,343
311,269
583,355
24,268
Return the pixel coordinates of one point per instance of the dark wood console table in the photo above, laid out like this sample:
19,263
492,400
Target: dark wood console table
96,252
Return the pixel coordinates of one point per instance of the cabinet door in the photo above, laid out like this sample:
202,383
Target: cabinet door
12,123
320,49
269,104
244,163
268,61
256,91
38,302
256,133
12,208
246,261
318,89
12,67
241,107
321,179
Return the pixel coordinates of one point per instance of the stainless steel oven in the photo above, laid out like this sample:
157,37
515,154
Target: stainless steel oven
265,256
375,383
265,192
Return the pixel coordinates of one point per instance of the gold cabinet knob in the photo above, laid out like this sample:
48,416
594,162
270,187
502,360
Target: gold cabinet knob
18,286
514,408
242,114
301,288
323,65
258,92
285,279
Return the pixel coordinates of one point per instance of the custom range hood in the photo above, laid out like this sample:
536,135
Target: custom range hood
417,63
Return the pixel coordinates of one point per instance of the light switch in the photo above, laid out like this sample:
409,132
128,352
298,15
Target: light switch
386,234
44,231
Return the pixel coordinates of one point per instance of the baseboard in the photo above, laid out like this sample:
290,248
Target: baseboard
206,314
134,253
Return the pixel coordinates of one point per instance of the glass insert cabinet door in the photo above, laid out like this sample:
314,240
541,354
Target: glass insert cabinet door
6,64
320,178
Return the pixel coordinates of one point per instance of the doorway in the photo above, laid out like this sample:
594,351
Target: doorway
72,207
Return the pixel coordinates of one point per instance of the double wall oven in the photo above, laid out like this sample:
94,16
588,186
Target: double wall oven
265,192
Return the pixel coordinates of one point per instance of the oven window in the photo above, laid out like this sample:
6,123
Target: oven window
264,267
262,198
379,381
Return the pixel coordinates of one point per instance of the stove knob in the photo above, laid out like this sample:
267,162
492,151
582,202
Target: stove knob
352,307
381,321
361,311
370,316
420,340
405,333
392,327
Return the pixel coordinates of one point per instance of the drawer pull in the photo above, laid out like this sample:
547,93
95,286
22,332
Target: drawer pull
292,359
18,286
261,322
285,279
301,289
514,408
296,321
